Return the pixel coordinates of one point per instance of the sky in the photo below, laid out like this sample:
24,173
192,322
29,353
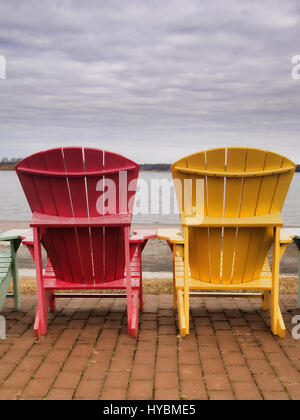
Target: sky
153,80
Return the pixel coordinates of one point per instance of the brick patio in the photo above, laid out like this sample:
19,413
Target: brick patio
230,353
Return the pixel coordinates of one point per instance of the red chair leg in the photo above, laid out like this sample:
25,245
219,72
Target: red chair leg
40,324
52,302
134,322
141,297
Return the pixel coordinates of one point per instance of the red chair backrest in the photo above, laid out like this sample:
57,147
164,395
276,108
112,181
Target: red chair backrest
69,182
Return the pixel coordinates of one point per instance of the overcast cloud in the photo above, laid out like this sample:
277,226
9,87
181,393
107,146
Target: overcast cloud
153,80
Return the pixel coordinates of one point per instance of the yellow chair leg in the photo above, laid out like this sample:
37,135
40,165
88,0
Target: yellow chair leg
174,278
181,313
186,280
266,300
281,326
174,295
277,323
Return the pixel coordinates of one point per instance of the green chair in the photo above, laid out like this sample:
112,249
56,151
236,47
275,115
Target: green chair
9,266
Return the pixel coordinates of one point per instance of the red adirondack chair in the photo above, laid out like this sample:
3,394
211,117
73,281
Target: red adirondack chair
87,240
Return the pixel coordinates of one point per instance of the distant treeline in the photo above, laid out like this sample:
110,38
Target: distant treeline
7,164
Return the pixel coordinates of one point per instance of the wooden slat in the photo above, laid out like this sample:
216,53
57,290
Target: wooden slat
74,162
54,160
283,185
260,243
255,161
45,191
29,187
198,161
94,161
268,185
180,190
215,160
236,161
199,265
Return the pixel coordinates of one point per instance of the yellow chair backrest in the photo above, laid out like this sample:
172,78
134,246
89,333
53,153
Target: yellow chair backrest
237,183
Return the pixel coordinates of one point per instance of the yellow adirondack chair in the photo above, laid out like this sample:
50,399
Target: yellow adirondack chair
229,230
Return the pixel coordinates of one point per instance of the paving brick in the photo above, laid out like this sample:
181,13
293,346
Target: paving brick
166,351
17,379
67,380
142,373
268,382
88,390
166,394
140,390
55,355
239,373
254,352
293,391
6,369
221,395
117,380
209,352
188,358
75,364
233,358
60,394
246,391
37,388
191,389
30,363
276,396
217,382
259,366
95,371
166,380
147,335
9,394
144,358
164,364
213,366
113,394
190,372
47,371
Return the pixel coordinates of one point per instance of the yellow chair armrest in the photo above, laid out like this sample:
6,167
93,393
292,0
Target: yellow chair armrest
173,236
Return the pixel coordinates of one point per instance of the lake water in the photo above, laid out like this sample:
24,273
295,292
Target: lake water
14,205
